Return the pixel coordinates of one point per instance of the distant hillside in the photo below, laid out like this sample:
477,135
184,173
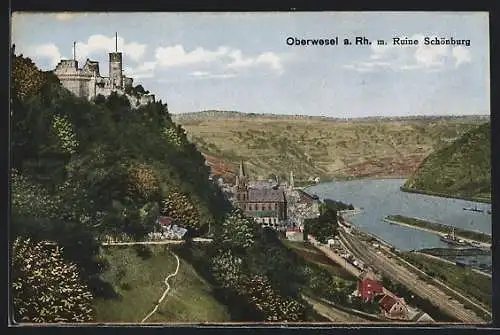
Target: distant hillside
215,114
320,147
461,169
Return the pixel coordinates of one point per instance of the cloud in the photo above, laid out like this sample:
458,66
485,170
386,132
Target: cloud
267,58
48,51
101,43
411,57
461,55
66,16
177,56
208,75
228,57
199,73
144,70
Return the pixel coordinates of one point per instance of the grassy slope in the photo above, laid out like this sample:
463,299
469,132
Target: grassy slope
461,169
315,147
470,283
141,285
310,254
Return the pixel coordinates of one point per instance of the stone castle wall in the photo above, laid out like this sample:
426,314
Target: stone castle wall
88,83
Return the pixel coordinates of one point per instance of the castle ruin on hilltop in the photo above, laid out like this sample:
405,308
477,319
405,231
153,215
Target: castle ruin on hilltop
87,82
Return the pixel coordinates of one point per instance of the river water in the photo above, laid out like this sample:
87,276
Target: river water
380,198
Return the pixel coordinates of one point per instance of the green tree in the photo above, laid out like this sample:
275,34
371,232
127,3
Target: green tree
227,269
45,288
271,305
323,227
236,232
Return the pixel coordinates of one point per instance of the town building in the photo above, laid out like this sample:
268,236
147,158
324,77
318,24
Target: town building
265,202
394,308
87,82
368,289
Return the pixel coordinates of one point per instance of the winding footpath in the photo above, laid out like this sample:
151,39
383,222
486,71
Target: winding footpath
166,290
196,239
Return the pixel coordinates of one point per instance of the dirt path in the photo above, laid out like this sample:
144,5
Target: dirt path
196,239
166,290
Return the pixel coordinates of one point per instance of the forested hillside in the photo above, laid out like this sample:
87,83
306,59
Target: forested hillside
82,171
461,169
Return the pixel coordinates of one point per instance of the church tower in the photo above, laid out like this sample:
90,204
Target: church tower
116,66
291,180
242,184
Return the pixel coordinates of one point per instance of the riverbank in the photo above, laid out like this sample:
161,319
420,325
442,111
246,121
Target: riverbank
451,252
475,286
482,239
444,195
426,253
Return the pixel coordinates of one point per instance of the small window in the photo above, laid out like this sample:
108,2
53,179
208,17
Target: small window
250,207
275,206
269,207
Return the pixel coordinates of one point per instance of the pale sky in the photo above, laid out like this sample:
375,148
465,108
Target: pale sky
241,61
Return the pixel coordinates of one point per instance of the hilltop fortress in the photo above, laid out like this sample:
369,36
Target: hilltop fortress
87,82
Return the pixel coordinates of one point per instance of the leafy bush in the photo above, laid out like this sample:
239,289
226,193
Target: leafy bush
45,288
236,232
323,227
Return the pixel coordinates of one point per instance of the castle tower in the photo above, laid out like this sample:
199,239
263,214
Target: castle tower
116,66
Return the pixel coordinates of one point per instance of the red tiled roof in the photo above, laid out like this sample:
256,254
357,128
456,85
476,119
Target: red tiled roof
387,302
165,220
368,288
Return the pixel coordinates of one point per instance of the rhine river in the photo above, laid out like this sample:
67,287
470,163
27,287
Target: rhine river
380,198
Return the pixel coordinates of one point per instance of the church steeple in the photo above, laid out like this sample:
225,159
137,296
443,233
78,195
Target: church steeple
242,184
242,170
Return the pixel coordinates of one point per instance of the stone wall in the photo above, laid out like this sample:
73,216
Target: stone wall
87,83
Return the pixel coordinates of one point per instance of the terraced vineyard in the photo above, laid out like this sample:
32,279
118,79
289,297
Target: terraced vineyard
318,147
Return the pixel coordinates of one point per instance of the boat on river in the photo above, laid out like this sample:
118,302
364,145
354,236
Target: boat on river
453,240
473,209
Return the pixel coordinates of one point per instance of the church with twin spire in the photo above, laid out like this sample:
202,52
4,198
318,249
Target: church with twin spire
264,201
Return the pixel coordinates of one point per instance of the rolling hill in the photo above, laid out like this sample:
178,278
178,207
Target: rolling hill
319,146
460,170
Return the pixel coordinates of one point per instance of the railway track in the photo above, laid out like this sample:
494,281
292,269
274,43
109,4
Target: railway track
410,279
